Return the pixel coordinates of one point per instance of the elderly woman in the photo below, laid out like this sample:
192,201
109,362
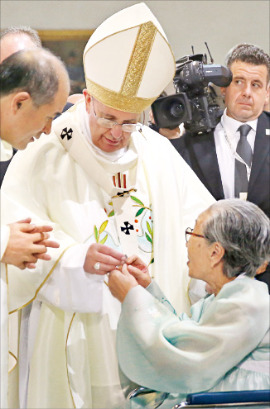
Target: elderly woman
224,345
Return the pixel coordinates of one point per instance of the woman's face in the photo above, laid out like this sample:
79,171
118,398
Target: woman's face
199,251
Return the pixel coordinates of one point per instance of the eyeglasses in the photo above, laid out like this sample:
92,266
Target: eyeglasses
109,124
189,232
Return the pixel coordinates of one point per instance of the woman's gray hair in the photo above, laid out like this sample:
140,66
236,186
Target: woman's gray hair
243,230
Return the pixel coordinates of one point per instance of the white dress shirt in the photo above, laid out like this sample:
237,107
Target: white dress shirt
226,149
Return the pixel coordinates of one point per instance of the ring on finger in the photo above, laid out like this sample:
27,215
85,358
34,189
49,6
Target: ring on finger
97,265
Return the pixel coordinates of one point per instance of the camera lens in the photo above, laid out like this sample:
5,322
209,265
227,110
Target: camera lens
177,110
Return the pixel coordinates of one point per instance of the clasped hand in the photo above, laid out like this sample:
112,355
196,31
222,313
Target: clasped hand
27,243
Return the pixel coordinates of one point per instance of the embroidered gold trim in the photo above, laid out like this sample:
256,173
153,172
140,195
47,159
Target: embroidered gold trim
139,58
44,281
118,101
16,359
69,328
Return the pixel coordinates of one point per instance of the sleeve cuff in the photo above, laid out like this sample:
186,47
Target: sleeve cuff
137,299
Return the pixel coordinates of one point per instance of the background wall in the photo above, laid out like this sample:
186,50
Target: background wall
222,24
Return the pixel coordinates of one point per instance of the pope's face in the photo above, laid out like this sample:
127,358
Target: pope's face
113,139
248,92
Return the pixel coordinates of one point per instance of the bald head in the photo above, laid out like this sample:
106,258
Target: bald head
37,72
18,38
34,89
13,43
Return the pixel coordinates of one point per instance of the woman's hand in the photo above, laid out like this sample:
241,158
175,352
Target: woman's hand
120,282
139,270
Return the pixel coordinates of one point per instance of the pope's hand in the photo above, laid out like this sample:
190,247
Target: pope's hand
120,282
101,259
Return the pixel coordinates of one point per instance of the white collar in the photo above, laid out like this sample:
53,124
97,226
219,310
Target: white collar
231,125
6,150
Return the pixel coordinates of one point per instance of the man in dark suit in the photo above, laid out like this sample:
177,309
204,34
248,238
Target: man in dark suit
217,156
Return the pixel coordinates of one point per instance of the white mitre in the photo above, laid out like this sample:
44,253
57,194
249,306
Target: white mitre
128,61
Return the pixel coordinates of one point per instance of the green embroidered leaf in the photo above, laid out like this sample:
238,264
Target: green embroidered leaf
96,233
148,238
139,212
103,226
137,200
110,203
111,213
149,229
152,261
104,239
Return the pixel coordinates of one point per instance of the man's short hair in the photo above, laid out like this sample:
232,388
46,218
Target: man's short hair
243,230
248,53
30,32
32,71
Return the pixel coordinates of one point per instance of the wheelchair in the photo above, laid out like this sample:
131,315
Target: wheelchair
149,399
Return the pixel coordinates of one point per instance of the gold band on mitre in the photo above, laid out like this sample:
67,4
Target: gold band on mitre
139,58
117,100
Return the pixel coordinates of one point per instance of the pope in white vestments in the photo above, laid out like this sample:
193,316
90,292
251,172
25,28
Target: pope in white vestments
103,181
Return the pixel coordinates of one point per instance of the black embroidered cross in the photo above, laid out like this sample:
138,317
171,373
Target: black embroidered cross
66,133
127,228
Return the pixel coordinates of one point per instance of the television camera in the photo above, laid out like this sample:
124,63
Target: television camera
195,103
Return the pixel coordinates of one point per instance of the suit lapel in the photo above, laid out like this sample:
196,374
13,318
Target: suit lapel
203,153
261,149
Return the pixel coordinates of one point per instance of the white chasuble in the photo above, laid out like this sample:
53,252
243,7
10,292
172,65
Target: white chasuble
139,204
